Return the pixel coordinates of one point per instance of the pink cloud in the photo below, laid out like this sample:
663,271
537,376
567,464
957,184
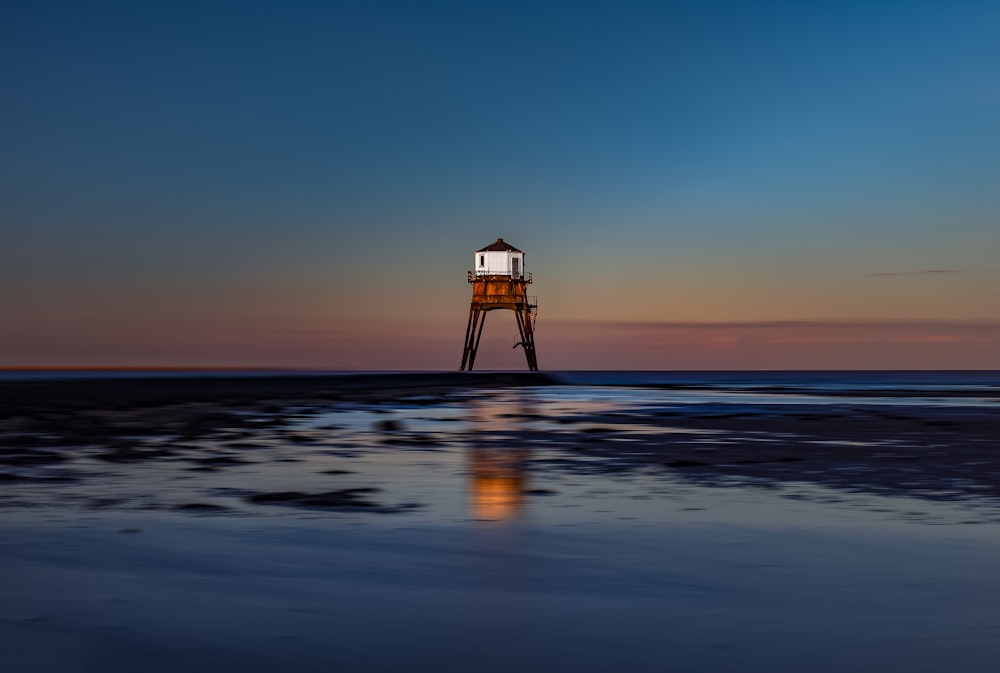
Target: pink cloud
922,272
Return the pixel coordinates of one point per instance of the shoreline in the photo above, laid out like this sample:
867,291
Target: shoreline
248,387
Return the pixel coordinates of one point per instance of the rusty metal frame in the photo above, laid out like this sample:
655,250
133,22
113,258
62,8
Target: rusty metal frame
490,293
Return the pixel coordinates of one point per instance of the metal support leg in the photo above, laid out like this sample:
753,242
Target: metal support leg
470,330
529,332
527,338
475,347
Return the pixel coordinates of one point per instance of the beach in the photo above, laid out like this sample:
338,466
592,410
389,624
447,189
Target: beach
450,521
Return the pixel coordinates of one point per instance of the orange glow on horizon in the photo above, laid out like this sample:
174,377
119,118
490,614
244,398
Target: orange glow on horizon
562,345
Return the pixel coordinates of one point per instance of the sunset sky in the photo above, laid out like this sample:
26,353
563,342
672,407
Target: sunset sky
696,185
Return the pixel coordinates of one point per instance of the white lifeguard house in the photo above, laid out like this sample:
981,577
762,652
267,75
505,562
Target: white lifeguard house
500,259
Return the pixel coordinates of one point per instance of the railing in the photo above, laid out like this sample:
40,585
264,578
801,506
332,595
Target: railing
524,277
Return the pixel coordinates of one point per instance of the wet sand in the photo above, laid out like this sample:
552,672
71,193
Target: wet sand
494,521
47,428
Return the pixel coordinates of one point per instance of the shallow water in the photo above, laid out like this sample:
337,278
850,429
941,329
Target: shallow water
548,530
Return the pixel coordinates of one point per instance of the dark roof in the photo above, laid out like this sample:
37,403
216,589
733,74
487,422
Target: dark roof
499,246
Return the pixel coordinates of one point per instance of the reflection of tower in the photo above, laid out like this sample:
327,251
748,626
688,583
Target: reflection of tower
497,481
499,281
498,476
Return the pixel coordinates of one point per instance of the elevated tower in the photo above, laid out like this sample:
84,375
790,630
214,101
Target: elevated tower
500,282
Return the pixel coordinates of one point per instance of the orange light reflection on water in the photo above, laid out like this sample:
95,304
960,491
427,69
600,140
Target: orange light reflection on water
497,481
498,475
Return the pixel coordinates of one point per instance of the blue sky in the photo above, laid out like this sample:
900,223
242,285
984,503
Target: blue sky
220,166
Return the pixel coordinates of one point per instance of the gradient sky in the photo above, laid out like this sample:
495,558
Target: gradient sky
697,185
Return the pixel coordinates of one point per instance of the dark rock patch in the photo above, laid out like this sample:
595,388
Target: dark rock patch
685,463
413,439
347,499
942,424
389,425
539,491
200,507
220,461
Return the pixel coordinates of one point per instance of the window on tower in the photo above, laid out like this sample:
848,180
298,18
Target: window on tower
482,260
